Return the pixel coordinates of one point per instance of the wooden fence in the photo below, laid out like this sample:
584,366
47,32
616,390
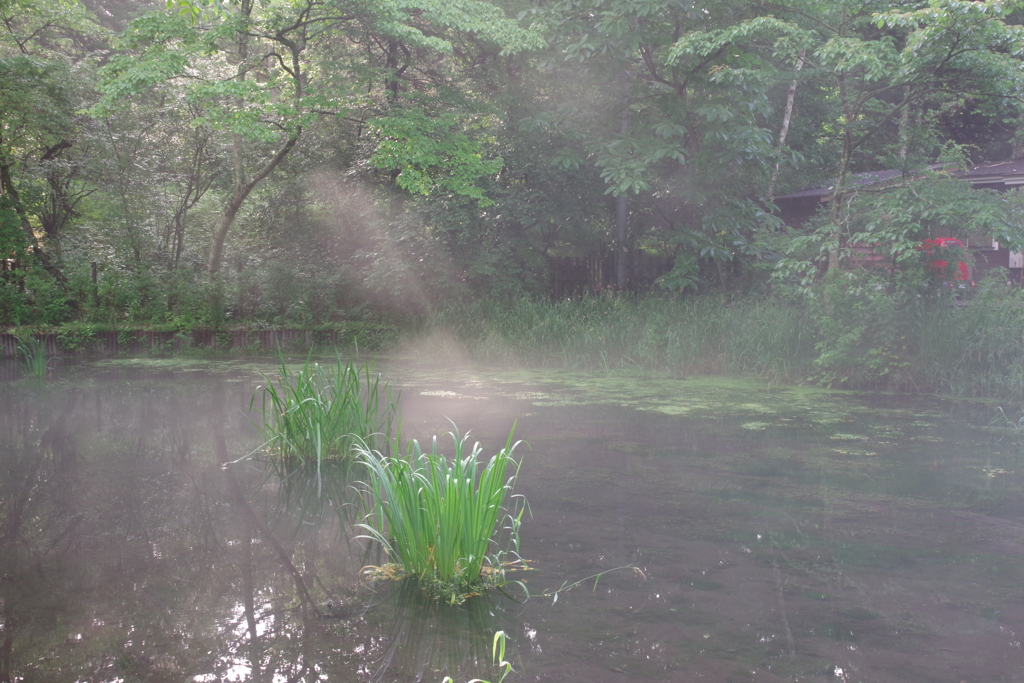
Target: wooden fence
135,342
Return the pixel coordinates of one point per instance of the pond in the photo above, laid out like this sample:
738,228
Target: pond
740,533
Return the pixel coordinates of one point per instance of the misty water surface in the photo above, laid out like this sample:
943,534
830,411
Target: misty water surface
760,534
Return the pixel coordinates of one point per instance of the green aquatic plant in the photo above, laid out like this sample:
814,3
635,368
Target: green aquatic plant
497,656
33,359
451,525
322,411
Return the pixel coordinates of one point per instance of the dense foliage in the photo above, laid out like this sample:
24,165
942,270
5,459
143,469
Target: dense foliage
308,162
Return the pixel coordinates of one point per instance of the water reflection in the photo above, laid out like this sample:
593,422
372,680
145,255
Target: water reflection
796,537
315,494
129,551
426,641
40,514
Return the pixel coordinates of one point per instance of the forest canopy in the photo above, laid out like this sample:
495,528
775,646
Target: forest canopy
303,161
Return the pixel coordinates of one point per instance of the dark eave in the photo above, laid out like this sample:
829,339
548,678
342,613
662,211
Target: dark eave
995,174
854,180
1004,173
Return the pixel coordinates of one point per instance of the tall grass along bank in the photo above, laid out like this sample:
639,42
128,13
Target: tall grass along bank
668,335
969,348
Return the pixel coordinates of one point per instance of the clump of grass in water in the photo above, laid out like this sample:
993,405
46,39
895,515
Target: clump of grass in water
437,519
33,357
321,412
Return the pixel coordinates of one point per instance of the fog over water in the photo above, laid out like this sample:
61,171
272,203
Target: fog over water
748,533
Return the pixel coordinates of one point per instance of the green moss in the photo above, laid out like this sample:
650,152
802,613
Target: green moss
702,583
816,595
880,556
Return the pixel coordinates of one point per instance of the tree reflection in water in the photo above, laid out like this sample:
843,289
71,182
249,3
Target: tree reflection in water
426,641
39,519
128,553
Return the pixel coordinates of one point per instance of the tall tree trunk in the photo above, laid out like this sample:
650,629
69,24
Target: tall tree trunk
622,222
242,189
723,273
786,118
8,189
904,129
835,210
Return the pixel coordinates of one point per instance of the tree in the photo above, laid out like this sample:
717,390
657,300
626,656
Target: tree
874,62
35,108
263,73
676,110
41,51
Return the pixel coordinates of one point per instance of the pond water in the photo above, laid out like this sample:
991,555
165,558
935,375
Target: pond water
745,533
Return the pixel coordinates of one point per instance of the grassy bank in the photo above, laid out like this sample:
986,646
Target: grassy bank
89,339
664,335
863,340
969,348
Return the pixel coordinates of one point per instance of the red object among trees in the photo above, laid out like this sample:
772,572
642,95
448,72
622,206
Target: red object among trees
947,246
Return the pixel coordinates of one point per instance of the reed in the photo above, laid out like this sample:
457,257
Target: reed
322,412
33,359
647,334
968,348
452,525
974,350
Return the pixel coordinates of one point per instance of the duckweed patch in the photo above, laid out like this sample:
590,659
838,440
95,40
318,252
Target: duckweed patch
702,583
849,437
879,556
454,395
756,408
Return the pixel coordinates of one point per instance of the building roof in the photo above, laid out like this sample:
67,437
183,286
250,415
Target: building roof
991,173
1005,173
859,179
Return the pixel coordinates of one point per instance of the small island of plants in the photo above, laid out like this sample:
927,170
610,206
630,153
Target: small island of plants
450,525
